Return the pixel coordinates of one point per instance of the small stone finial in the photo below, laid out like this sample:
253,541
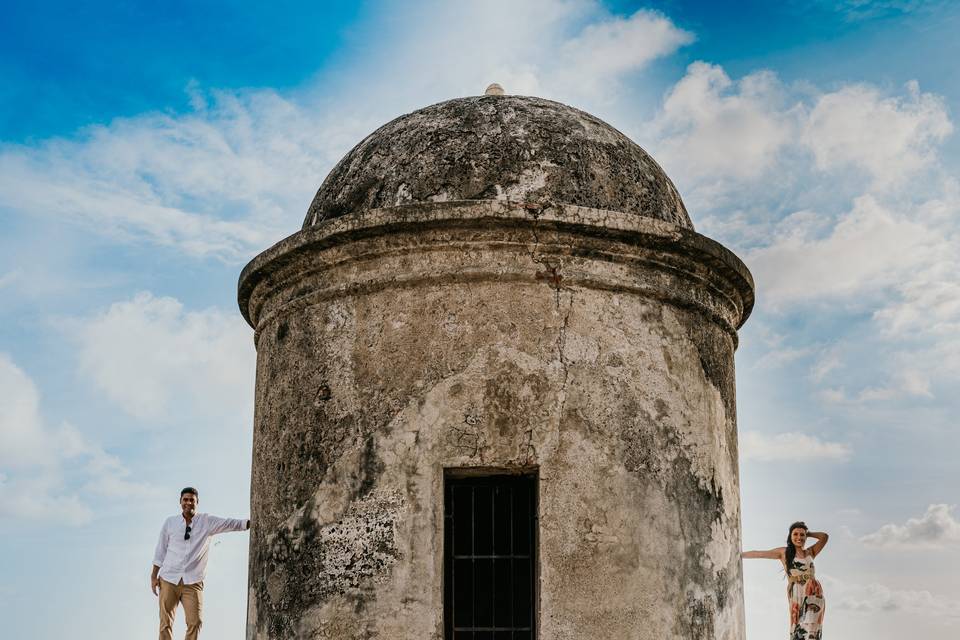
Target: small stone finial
494,90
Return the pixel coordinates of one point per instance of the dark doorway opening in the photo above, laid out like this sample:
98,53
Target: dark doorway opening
490,556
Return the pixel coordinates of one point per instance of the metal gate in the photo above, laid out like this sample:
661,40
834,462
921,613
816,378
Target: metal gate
490,557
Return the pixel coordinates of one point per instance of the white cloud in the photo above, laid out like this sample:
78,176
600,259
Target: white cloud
930,303
790,446
437,50
35,458
876,598
40,499
889,137
856,10
929,296
610,48
23,441
711,127
104,474
937,528
828,361
225,180
237,171
870,248
152,357
892,262
907,381
776,358
778,354
840,206
569,50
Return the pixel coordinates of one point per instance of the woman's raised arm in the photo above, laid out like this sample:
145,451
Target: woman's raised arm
772,554
821,538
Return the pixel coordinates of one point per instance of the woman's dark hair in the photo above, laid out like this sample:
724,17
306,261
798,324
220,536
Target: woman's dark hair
791,551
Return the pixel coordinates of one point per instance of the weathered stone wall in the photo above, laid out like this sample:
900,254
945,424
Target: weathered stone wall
496,146
595,346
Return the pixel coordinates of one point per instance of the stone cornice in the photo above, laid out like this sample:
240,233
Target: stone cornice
567,245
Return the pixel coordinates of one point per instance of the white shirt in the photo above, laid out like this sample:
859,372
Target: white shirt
186,560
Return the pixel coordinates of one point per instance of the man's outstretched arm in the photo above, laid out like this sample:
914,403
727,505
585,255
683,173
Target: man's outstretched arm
223,525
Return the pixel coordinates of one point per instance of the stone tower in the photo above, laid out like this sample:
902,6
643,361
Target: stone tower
495,392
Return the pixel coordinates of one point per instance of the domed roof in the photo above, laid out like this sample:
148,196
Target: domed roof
499,147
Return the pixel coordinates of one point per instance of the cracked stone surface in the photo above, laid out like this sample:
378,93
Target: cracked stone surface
390,351
499,147
591,345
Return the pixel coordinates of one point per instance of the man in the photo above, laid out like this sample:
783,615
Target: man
180,562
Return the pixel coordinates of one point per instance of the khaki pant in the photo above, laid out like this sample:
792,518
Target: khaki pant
191,595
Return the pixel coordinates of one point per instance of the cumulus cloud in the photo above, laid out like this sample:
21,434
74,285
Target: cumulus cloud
825,363
237,171
937,528
838,202
713,127
929,302
779,353
869,248
569,50
610,48
889,137
23,441
875,598
929,295
224,180
891,260
34,459
776,358
790,446
151,357
907,381
102,473
40,499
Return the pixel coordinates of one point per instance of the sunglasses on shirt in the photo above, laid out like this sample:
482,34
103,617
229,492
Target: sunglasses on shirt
186,534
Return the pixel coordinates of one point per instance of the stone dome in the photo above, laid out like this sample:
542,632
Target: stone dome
499,147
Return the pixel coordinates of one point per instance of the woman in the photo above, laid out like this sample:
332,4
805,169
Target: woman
804,593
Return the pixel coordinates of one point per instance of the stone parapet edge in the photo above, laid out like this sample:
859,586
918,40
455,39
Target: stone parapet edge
662,236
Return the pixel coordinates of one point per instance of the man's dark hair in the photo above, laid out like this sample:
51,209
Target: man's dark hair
190,490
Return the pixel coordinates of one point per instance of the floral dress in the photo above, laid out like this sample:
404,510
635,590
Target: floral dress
806,609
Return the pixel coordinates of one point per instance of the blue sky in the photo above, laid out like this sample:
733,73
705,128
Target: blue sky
148,151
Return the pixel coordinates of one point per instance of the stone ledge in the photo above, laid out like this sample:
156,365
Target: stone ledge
553,232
